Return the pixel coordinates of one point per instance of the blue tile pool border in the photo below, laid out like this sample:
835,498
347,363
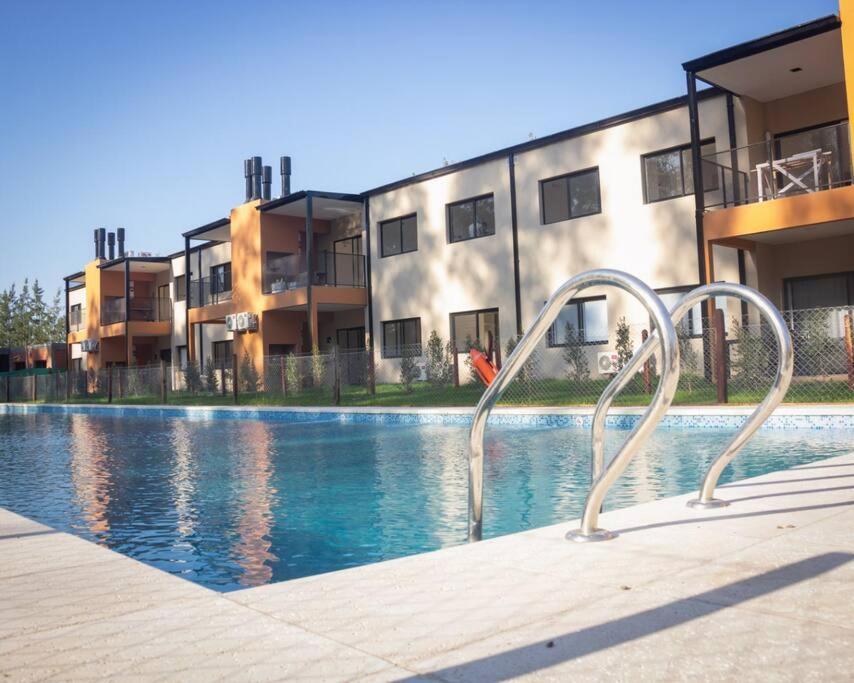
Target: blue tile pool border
704,417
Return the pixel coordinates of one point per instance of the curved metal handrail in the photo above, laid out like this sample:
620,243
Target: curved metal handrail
657,407
763,410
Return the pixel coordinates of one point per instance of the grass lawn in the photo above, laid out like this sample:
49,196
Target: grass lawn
552,392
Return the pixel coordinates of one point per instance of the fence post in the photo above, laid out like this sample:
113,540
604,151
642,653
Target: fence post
234,378
848,322
35,384
55,385
336,377
456,357
110,384
719,354
372,372
163,381
647,383
283,375
222,375
67,385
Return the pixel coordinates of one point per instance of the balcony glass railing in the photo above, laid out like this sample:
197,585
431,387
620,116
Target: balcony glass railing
146,309
76,319
332,269
207,291
798,163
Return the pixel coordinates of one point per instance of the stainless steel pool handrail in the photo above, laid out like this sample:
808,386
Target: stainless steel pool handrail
664,394
772,399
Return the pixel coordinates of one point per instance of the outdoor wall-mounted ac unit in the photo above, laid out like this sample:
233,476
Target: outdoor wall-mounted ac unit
247,322
606,362
89,345
231,322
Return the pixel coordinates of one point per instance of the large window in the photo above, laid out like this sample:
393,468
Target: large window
400,336
471,218
399,235
181,352
180,288
223,353
475,326
570,196
581,321
692,324
669,173
221,278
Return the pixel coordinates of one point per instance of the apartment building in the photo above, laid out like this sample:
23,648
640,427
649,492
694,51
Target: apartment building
473,249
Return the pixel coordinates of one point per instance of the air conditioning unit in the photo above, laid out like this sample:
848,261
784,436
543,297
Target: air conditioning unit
247,322
606,362
230,322
89,345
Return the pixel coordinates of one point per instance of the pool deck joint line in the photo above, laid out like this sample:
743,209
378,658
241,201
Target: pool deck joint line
759,589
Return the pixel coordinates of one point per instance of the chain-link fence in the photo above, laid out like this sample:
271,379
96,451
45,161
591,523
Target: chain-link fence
731,360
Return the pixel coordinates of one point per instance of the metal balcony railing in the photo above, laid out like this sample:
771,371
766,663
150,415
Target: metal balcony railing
207,291
147,309
798,163
331,269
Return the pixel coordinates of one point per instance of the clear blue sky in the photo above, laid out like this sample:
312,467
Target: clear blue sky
139,114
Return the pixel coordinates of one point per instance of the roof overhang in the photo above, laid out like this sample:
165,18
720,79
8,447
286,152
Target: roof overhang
218,231
324,205
79,277
790,62
138,264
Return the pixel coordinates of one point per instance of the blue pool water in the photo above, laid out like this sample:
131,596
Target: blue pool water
237,503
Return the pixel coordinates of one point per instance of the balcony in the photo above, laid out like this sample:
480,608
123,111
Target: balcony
332,269
207,292
794,164
76,319
142,309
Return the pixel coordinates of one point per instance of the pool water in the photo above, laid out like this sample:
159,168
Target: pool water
236,503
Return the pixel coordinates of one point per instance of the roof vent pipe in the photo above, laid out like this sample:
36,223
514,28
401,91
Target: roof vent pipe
285,168
97,251
111,243
102,236
257,173
120,237
247,176
267,182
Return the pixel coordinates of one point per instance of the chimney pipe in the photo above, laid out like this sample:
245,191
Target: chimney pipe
285,169
257,173
97,252
120,236
111,243
102,235
268,182
247,175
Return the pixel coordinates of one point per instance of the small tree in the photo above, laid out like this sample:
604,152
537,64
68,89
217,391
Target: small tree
577,367
318,369
438,366
192,377
526,372
409,370
249,378
815,345
293,374
625,347
211,379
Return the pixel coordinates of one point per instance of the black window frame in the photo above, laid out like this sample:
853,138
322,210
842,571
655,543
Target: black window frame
476,312
178,348
226,268
579,303
669,150
399,321
473,201
567,177
787,286
229,358
399,220
180,291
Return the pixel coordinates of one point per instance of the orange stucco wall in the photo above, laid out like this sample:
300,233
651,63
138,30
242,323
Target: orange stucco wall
846,14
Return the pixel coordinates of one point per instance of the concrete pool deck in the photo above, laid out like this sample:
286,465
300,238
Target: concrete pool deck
763,588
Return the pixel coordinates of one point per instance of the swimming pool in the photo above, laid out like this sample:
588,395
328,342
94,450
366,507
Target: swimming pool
236,503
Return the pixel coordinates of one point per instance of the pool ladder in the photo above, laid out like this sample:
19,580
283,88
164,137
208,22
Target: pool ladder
663,336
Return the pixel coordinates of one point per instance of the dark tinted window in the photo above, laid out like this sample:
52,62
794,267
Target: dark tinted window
399,236
471,218
670,173
570,196
400,336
